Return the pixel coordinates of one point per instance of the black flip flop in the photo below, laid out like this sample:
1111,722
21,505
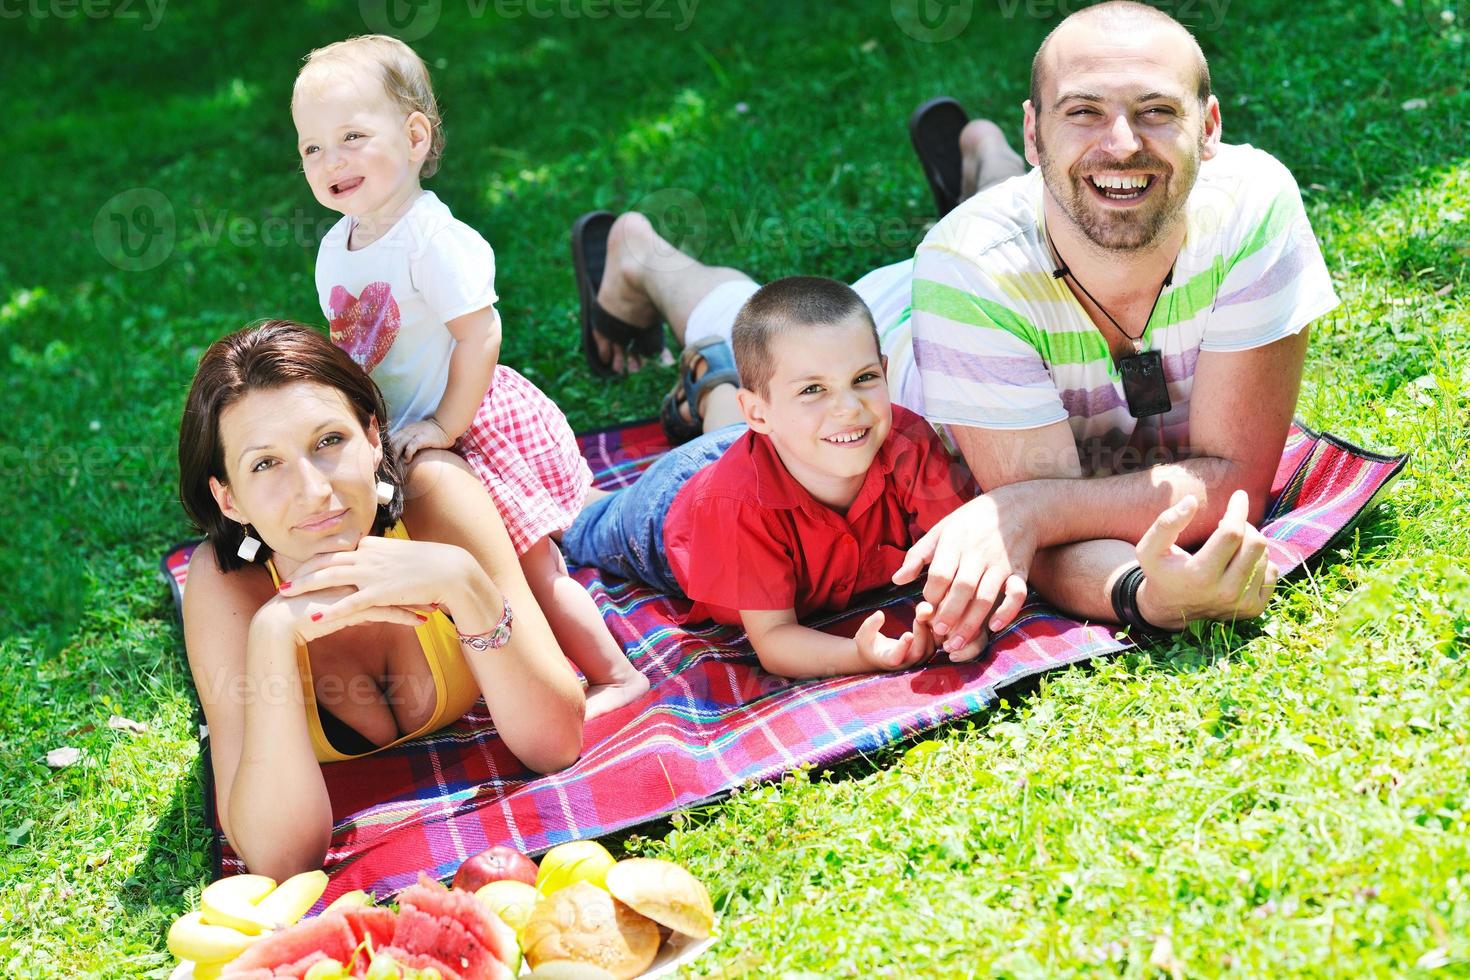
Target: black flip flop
934,128
719,369
589,261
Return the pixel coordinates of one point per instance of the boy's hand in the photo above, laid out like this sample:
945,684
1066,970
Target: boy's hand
424,434
924,618
884,653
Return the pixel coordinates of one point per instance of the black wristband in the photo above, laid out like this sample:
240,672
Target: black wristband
1125,599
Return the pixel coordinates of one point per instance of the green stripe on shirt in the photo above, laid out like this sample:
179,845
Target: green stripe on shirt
1059,347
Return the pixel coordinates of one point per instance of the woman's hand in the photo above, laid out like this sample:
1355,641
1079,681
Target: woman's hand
384,580
305,618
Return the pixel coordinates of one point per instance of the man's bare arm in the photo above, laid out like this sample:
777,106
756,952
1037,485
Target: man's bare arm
1241,409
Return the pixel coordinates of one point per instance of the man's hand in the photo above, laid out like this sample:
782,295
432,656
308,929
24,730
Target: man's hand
1229,578
880,652
977,556
416,436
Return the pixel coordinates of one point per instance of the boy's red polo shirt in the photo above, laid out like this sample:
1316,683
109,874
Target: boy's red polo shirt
743,534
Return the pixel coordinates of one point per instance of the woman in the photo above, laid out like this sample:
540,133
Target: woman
333,610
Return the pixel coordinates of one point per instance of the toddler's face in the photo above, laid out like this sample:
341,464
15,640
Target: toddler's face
827,409
355,145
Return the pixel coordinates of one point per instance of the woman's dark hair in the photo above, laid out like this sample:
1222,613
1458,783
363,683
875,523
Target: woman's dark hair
272,354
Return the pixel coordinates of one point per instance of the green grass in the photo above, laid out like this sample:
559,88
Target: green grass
1287,798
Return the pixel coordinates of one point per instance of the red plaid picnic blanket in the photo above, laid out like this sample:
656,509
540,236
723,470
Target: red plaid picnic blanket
713,719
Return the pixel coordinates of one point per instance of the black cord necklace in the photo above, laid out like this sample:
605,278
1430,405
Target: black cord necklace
1144,384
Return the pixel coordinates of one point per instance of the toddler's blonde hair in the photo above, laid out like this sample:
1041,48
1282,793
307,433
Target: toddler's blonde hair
404,76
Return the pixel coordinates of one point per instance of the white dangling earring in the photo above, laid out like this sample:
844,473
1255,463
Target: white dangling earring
385,493
249,545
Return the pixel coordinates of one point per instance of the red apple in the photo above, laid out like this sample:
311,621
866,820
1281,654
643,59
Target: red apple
495,864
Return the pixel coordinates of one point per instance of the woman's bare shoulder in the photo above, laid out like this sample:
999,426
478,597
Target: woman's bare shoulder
445,501
218,606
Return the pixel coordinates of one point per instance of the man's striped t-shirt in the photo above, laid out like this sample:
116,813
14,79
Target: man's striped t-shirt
999,343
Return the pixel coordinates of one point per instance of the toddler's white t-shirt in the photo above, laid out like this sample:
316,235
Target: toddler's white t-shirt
388,302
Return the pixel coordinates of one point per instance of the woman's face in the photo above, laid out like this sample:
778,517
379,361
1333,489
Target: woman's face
301,470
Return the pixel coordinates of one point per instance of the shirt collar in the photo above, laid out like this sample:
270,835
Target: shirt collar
777,489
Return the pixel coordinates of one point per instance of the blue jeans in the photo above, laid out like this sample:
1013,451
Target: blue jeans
623,533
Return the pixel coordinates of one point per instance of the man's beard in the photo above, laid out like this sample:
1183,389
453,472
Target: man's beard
1119,230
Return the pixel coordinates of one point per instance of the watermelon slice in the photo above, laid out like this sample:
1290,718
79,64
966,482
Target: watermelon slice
298,969
463,908
372,922
420,961
446,940
325,934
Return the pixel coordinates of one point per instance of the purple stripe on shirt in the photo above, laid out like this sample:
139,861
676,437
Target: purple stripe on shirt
1087,402
1178,367
1283,270
1090,402
934,357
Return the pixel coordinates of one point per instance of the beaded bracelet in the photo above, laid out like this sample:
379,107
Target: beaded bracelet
497,637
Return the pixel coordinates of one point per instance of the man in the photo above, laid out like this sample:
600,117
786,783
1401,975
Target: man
1142,297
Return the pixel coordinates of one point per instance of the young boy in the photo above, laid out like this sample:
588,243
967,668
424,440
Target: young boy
814,500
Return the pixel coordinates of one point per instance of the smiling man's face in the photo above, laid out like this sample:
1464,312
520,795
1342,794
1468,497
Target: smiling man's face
1120,131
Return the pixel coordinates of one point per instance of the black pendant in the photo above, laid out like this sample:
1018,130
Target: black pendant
1144,384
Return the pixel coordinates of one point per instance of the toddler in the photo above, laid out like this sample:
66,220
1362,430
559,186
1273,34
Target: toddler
410,293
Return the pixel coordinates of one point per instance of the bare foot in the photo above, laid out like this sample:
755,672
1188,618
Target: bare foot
987,158
621,292
602,698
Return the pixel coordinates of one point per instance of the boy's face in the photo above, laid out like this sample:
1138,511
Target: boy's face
826,409
357,150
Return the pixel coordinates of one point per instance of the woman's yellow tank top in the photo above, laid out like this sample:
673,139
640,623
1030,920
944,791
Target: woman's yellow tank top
455,687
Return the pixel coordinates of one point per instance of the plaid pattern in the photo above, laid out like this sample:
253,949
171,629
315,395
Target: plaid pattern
713,719
524,452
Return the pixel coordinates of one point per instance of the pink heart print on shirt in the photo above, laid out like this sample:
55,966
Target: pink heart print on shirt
364,326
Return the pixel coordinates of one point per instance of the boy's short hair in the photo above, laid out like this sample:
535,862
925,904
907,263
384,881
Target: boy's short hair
781,306
404,76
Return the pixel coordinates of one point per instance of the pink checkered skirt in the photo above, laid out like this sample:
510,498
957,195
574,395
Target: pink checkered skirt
524,451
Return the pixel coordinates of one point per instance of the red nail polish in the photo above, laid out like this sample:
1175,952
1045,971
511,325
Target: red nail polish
283,586
315,616
422,617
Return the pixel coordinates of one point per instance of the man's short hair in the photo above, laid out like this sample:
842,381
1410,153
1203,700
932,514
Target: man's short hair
1118,14
783,306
